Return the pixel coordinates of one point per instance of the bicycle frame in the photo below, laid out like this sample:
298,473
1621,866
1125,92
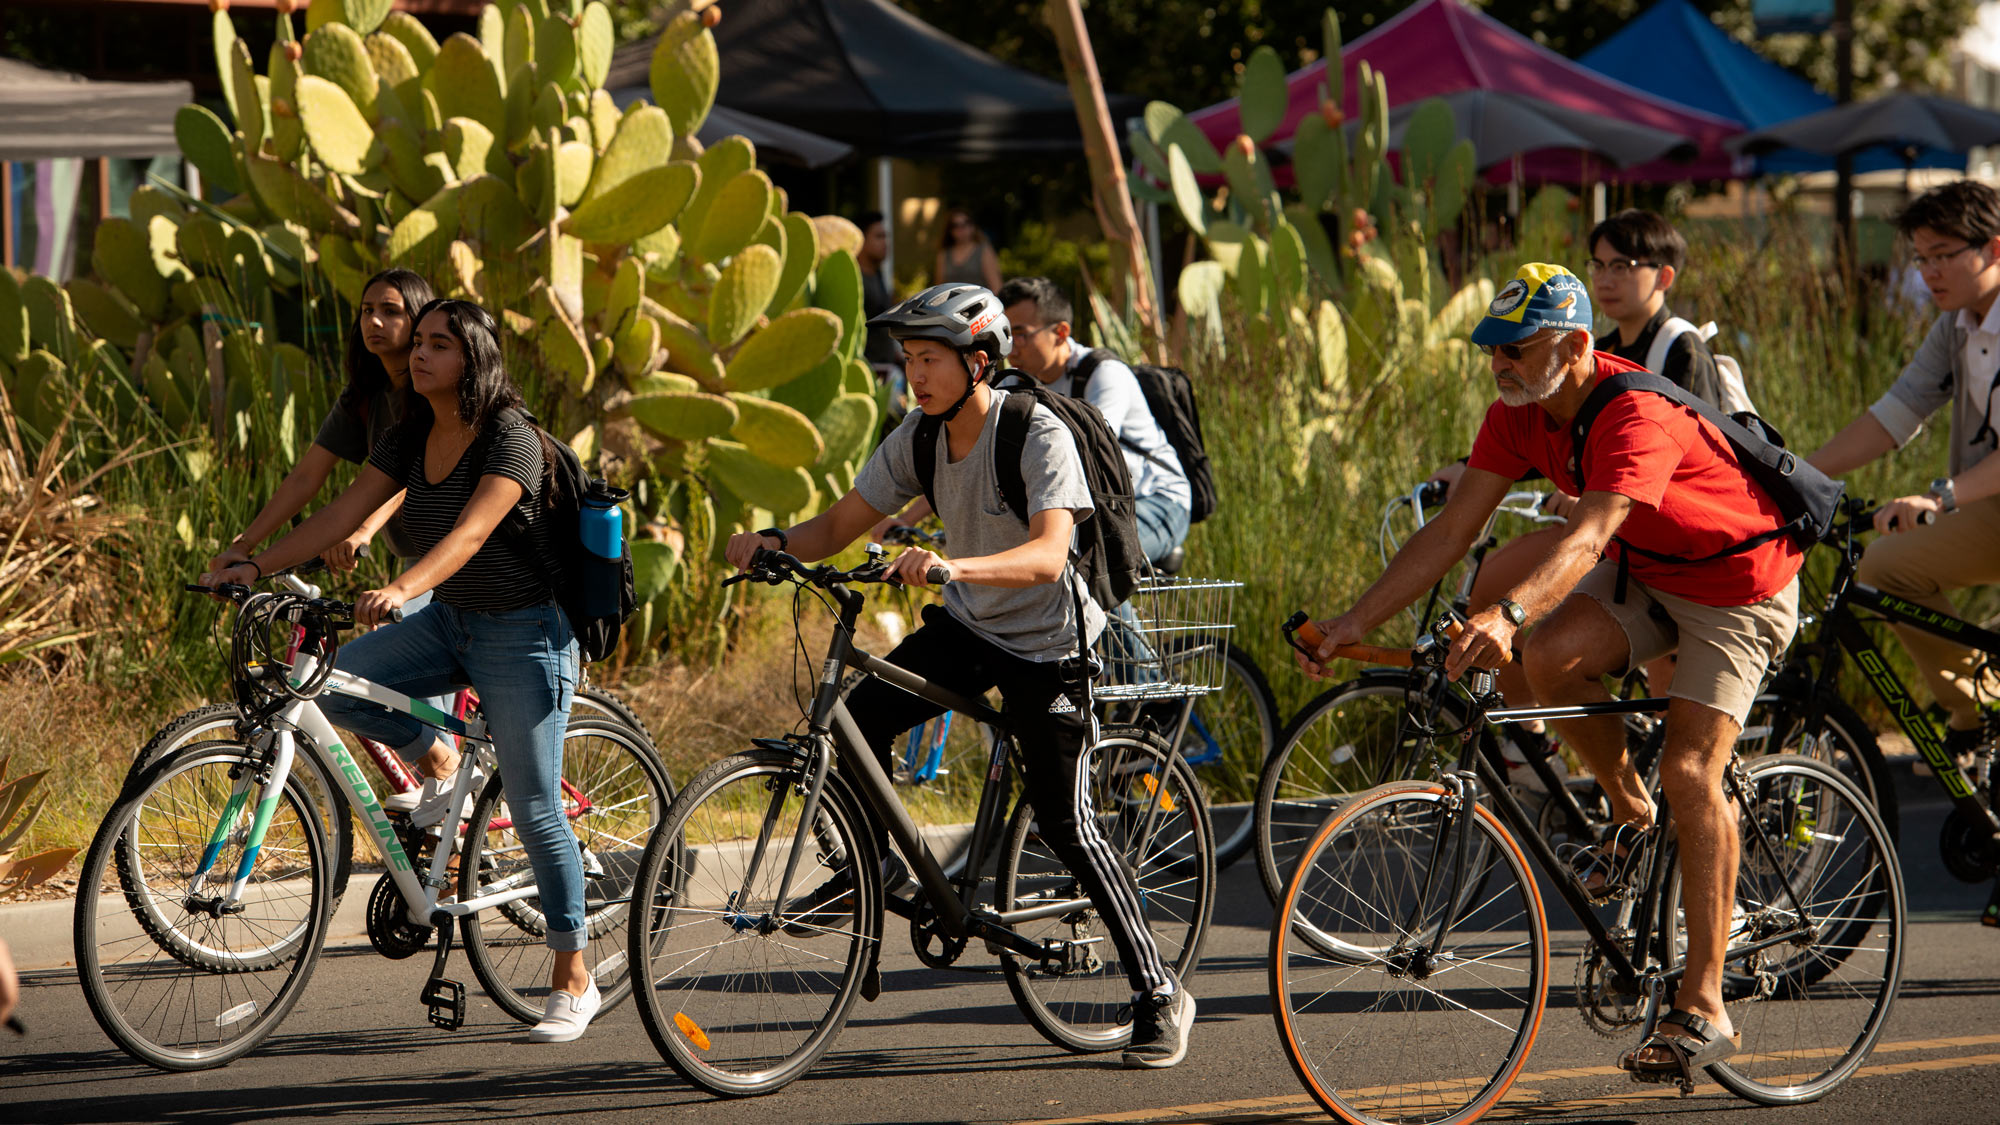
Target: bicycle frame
833,735
304,717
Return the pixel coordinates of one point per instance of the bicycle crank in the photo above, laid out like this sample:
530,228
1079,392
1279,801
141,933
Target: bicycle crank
934,946
1604,1009
1969,847
390,930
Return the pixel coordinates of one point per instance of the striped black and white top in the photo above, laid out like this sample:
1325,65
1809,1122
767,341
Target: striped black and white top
510,571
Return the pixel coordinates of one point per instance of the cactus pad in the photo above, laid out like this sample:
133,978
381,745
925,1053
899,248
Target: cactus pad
775,432
209,146
757,481
123,255
338,132
847,425
337,54
596,39
684,415
685,72
733,217
361,15
839,292
645,139
464,84
741,295
785,349
636,208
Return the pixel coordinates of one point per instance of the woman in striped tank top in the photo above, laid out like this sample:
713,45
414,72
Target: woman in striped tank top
493,622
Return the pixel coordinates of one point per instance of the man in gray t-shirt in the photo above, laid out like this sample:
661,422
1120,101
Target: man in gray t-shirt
1009,613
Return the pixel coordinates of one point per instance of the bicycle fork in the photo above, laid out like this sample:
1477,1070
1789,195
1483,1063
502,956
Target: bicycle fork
245,775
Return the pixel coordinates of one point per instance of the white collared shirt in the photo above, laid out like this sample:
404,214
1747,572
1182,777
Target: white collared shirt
1981,354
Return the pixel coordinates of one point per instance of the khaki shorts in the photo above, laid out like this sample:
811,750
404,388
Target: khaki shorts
1725,650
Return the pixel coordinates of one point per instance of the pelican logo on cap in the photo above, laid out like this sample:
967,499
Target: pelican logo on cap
1540,295
1510,298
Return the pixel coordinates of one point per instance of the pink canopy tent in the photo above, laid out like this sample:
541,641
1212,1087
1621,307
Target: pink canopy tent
1440,46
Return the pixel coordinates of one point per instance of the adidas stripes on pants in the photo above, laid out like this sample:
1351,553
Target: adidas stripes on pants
952,656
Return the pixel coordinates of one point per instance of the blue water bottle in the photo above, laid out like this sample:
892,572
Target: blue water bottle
601,527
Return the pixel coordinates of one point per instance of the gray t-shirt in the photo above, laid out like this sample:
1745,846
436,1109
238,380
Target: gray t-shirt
1037,623
1149,456
351,436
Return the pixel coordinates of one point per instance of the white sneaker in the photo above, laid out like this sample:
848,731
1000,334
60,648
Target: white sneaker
566,1016
427,804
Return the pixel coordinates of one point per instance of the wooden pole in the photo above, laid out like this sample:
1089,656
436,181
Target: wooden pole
7,213
1843,165
1107,169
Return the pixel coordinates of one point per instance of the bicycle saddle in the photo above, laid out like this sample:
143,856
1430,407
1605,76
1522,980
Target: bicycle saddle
1171,564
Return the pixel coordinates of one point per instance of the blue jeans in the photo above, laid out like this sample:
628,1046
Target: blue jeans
1163,525
523,664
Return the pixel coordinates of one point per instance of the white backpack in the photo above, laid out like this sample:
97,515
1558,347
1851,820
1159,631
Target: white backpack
1735,393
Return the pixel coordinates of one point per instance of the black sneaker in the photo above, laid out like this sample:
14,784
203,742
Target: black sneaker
1159,1030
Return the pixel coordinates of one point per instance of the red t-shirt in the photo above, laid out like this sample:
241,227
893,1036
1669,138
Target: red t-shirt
1689,497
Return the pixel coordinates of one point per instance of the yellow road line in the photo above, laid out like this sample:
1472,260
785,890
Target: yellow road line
1522,1101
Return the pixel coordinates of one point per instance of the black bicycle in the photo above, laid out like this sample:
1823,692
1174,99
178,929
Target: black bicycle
767,894
1410,953
1803,711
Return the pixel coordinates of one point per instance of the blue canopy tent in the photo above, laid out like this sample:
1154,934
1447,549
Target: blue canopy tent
1673,51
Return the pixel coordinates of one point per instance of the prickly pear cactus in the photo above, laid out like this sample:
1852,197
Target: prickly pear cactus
661,304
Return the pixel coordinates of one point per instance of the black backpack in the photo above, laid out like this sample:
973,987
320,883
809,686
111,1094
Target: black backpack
596,594
1806,497
1107,554
1170,396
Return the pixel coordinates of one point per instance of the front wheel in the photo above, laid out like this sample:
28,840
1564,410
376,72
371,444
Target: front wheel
177,977
743,983
615,792
1817,863
1396,1001
1150,816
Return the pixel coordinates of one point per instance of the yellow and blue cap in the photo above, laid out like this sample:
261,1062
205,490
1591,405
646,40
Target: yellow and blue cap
1540,296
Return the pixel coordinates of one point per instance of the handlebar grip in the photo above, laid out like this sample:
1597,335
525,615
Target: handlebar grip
1366,654
938,575
361,552
1455,628
1432,492
394,616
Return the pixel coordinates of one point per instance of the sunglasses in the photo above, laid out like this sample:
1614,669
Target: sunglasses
1513,351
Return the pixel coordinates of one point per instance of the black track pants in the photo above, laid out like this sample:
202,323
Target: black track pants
1051,744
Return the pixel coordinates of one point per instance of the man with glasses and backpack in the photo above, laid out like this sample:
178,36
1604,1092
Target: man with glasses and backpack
1683,536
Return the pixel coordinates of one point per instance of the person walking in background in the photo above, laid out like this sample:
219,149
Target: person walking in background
881,349
965,254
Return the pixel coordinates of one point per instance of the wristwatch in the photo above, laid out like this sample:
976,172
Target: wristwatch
1512,611
1947,496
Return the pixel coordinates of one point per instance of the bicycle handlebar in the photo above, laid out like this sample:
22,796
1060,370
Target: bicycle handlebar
1299,629
341,613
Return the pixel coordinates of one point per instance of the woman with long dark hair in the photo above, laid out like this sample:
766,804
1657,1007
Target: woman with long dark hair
965,253
466,459
378,375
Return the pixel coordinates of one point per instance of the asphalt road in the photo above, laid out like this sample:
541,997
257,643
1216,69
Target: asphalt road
952,1047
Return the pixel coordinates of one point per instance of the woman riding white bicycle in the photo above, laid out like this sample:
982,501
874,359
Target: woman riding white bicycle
369,406
468,459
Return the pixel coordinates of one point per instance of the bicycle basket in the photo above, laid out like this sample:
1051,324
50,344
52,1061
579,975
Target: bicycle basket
1168,640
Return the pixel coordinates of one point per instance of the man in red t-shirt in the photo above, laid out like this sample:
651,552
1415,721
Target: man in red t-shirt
1654,475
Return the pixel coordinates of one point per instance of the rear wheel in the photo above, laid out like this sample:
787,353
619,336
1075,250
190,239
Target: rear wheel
218,979
1227,739
1149,809
1839,739
615,793
1811,1010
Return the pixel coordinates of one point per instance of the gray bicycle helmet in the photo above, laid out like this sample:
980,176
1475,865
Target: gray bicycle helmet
966,317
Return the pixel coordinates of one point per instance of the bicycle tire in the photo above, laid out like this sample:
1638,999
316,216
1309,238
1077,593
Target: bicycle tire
1823,1006
704,946
217,722
1238,728
1406,1068
1346,740
1842,741
595,701
157,913
1171,857
621,795
153,1003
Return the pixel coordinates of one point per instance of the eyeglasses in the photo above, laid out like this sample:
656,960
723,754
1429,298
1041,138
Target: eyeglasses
1031,333
1927,262
1516,350
1617,267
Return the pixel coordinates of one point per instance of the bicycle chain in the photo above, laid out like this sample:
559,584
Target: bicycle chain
390,930
1603,1011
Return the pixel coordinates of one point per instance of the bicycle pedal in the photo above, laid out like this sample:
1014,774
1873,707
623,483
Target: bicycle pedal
445,1000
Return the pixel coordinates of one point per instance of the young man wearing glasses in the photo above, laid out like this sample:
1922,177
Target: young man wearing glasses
1635,257
1954,231
1653,477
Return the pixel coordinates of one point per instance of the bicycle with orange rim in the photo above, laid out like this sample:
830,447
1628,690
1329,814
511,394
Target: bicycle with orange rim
1409,967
